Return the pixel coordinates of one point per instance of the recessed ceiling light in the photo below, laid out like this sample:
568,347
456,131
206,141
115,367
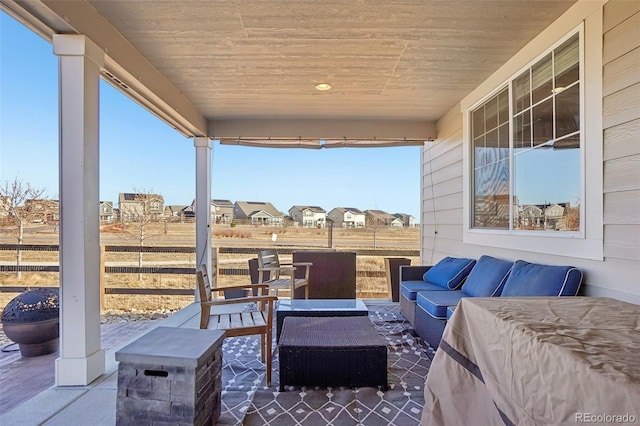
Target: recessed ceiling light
323,87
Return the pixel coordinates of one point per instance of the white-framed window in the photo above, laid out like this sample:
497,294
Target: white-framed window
526,147
568,226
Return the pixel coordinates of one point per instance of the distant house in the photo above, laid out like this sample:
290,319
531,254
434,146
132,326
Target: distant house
43,210
554,216
5,205
173,210
383,218
531,216
222,211
134,206
179,211
258,213
309,216
106,211
408,220
347,217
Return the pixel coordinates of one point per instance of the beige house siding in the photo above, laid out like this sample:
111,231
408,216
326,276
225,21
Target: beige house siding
621,125
617,274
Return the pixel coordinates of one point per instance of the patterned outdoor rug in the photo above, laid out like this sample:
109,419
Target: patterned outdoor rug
246,400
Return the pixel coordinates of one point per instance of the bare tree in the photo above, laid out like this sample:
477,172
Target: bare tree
141,209
375,225
17,209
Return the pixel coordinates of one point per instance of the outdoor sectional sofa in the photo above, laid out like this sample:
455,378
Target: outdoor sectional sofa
433,303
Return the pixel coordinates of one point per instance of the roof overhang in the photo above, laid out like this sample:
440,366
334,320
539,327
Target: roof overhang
243,72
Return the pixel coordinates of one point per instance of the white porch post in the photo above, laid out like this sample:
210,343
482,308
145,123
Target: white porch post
203,206
81,358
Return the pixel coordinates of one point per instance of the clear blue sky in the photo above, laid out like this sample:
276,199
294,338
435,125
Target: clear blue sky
138,151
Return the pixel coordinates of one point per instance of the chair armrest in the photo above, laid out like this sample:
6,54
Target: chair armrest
242,287
413,273
243,300
307,264
276,268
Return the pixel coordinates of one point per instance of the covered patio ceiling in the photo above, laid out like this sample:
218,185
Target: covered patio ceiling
245,72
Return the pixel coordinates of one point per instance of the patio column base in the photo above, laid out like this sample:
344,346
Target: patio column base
80,371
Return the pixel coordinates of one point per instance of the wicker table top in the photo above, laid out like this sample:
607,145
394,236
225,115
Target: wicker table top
330,332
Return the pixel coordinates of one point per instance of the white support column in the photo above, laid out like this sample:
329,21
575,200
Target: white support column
81,358
203,207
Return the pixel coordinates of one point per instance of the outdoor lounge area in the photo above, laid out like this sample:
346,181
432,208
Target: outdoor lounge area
245,397
316,383
525,120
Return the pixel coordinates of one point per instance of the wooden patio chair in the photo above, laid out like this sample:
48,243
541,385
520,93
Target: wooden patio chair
268,261
254,316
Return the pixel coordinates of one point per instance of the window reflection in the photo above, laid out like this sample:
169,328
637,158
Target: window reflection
491,163
544,123
522,130
568,111
567,63
491,208
541,80
547,189
521,93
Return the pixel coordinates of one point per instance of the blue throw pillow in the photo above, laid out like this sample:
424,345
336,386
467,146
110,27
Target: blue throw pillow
487,278
450,272
531,279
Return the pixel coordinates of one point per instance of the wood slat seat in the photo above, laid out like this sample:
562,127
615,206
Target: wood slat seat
253,316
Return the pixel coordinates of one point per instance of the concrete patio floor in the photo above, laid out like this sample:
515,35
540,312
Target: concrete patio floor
81,405
95,404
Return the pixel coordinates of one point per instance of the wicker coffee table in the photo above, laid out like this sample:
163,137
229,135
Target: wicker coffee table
317,308
332,351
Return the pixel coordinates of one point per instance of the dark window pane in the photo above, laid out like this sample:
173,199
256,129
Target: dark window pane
567,63
479,159
541,86
521,93
543,122
503,107
491,114
491,140
522,131
568,111
478,122
492,149
503,141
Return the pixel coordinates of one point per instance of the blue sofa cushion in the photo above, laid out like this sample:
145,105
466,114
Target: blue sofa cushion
531,279
450,272
410,288
487,278
450,310
436,302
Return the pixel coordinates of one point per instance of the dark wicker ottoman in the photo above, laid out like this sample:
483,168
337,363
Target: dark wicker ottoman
332,351
318,308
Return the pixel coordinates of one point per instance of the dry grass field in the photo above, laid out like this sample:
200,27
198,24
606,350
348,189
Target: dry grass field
183,235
